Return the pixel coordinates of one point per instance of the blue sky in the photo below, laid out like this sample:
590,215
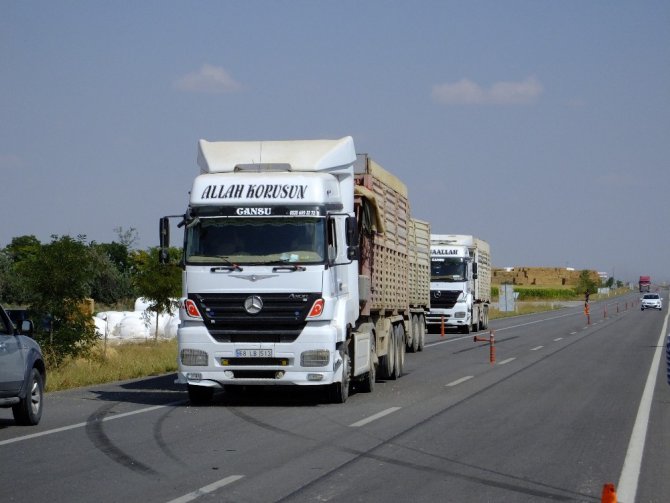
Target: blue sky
540,126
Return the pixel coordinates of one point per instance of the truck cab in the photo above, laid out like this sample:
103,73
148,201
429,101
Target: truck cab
459,283
270,281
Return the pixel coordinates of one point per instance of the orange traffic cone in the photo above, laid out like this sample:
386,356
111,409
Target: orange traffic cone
609,494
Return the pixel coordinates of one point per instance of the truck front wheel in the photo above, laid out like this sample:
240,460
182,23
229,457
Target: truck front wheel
339,391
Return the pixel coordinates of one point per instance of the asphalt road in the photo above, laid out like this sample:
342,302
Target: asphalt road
561,412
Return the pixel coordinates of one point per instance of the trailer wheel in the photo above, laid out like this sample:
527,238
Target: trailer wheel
367,384
422,332
387,362
400,350
414,347
339,391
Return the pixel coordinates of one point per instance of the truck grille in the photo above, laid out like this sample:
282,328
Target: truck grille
280,319
443,299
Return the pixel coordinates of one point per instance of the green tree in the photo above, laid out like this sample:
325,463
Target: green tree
58,279
610,282
23,247
586,283
159,284
110,281
13,288
6,274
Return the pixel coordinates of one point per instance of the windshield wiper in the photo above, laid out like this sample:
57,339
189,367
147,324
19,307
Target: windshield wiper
284,265
289,267
229,267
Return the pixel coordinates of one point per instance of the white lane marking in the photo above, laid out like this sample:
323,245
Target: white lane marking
536,348
374,417
506,361
81,425
459,381
573,333
207,489
558,339
630,473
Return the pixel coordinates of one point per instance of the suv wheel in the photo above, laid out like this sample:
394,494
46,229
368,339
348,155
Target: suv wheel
29,410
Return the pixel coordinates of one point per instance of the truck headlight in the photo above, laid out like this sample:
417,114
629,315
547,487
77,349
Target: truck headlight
315,358
193,357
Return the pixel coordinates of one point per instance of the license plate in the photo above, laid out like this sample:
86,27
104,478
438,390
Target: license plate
253,353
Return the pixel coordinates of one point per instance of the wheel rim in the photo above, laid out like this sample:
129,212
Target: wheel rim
391,352
345,372
35,397
401,349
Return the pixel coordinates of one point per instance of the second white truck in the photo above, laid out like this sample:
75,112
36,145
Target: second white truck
460,283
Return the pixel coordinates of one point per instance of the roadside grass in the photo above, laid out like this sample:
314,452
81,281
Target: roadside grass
524,308
548,300
117,362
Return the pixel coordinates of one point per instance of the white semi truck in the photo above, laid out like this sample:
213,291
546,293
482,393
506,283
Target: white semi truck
460,283
302,266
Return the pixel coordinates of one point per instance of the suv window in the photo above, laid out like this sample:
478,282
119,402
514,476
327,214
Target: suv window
5,327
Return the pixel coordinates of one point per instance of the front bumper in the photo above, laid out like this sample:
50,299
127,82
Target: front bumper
452,317
289,363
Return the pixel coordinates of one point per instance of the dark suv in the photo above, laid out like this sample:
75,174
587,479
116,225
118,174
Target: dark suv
22,371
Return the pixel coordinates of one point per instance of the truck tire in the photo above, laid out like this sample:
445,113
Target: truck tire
387,362
339,391
400,351
422,332
414,346
367,383
200,395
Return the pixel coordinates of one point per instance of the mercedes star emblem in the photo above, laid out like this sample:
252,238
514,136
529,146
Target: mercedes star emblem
253,304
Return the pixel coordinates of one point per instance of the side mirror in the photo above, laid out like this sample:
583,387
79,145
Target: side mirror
27,328
164,232
353,253
164,240
163,256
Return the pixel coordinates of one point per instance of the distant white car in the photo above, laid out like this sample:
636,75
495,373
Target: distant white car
651,301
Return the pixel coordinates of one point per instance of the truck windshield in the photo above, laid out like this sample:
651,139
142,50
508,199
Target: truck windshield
239,240
447,269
